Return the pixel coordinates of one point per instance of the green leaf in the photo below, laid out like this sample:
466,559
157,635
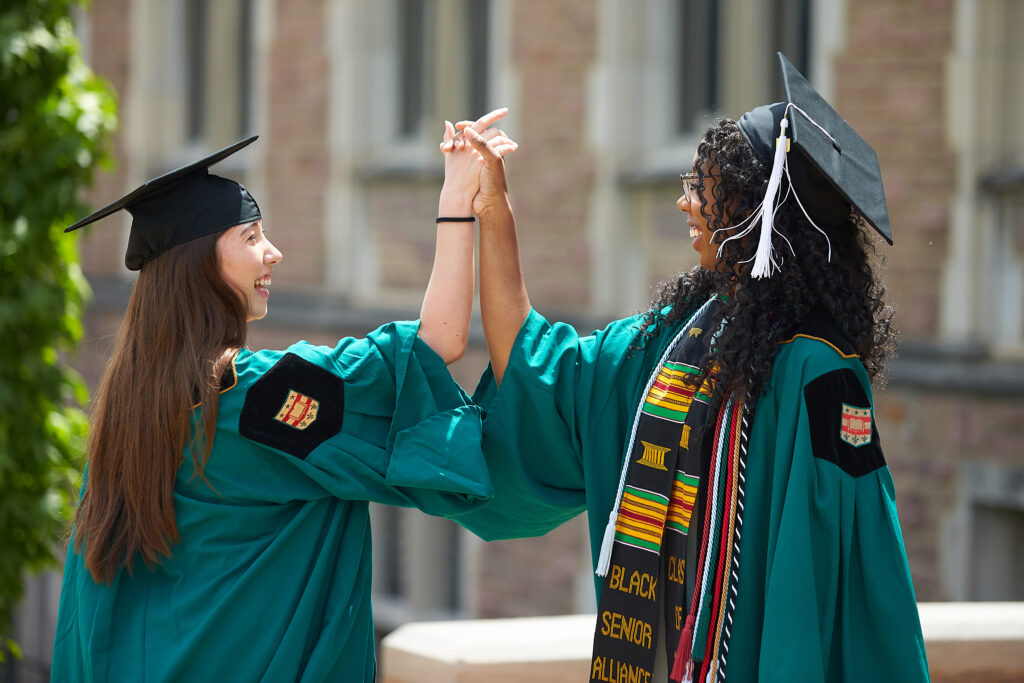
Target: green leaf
9,645
58,118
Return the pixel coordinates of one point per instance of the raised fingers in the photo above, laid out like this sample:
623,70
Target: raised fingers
492,136
484,122
503,146
449,135
492,133
489,119
489,150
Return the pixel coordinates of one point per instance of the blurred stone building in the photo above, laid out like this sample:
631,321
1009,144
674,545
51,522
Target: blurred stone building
607,99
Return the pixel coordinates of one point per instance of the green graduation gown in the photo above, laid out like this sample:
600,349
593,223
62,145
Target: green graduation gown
824,590
271,579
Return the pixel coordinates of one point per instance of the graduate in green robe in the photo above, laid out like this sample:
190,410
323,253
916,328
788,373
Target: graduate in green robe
723,443
223,530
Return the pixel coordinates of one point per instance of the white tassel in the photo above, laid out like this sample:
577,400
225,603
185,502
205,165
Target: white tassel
763,260
604,560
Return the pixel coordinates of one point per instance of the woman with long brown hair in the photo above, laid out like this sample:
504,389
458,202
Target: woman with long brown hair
223,528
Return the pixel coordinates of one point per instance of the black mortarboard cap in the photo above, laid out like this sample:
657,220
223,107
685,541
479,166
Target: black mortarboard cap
828,174
180,206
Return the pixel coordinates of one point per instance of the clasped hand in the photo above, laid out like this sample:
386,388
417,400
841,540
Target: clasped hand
474,167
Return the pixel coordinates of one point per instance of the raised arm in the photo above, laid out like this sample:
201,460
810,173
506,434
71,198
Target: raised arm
448,300
504,303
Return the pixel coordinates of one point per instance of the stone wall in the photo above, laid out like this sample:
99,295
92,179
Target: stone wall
890,82
891,86
965,643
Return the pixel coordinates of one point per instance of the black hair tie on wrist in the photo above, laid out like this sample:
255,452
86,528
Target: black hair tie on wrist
456,219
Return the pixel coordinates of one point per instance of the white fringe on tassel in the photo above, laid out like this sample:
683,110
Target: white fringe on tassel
604,560
764,264
766,261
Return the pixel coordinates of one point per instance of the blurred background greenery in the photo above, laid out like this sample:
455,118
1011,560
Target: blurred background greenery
56,119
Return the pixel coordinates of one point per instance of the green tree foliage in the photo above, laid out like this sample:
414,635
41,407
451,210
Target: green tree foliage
56,118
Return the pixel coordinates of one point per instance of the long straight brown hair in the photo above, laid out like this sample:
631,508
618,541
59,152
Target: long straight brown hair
169,355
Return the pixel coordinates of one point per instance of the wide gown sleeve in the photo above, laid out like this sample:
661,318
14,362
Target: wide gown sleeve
839,603
541,421
377,418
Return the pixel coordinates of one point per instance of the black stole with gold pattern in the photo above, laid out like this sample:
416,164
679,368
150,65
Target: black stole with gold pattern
647,567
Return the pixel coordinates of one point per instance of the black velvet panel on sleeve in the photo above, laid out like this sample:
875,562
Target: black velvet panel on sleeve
294,407
827,397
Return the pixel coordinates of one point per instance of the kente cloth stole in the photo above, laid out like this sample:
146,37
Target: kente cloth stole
646,570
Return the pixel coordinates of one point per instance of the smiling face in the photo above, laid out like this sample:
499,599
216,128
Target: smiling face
246,260
690,204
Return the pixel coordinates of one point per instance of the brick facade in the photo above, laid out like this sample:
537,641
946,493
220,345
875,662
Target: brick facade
900,115
891,86
552,49
890,82
101,249
296,158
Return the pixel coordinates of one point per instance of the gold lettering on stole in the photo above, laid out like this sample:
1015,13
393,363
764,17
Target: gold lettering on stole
640,583
620,627
616,579
676,569
613,671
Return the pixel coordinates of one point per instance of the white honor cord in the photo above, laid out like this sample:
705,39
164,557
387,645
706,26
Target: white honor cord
714,510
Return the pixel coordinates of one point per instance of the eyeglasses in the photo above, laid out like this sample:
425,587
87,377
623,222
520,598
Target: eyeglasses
690,179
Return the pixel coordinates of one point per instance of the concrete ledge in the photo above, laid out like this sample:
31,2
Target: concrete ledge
974,641
535,650
968,642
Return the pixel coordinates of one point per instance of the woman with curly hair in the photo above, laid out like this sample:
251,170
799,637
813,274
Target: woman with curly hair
741,513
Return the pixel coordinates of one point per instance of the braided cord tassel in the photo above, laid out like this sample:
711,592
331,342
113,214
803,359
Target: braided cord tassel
763,262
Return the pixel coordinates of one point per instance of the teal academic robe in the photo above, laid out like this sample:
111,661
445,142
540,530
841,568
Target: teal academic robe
824,590
271,579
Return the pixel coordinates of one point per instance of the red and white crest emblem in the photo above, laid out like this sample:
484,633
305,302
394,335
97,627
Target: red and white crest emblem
855,428
298,411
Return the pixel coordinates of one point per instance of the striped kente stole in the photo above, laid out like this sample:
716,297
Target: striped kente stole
643,557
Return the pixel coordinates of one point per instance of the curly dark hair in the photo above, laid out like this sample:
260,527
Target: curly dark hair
763,312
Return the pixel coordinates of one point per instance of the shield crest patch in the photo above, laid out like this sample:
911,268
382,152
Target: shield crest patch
855,426
298,411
